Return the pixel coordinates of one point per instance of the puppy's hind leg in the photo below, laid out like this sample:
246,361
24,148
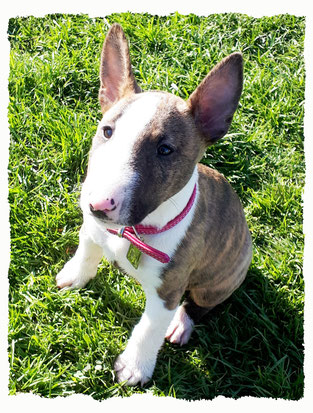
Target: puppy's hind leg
186,316
83,266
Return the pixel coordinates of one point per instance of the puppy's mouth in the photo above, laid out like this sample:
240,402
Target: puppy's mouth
102,215
107,217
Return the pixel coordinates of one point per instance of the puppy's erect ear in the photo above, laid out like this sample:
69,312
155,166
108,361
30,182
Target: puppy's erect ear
116,76
215,100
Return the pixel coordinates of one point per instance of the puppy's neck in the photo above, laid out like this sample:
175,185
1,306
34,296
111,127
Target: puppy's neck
169,209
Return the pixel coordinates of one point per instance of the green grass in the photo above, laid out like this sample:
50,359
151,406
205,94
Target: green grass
66,342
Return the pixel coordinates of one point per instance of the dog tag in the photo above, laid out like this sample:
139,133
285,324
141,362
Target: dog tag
133,255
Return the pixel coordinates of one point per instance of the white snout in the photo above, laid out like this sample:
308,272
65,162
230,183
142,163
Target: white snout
111,178
104,199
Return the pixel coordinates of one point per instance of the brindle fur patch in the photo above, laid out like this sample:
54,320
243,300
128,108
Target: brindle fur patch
213,258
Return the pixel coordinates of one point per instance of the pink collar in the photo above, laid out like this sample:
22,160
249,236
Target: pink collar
132,233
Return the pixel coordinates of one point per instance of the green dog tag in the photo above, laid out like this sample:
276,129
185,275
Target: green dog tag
133,255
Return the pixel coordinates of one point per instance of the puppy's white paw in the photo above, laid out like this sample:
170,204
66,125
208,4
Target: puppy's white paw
181,327
132,370
73,275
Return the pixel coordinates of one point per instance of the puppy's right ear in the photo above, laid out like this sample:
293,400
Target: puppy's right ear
116,75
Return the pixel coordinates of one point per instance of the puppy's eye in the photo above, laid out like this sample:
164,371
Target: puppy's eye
107,132
164,150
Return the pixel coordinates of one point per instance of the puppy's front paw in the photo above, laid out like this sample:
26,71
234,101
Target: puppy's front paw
132,370
73,275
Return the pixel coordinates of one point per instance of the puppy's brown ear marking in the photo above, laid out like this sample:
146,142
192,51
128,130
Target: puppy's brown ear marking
116,75
215,100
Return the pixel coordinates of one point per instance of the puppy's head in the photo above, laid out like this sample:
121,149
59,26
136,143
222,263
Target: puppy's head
147,144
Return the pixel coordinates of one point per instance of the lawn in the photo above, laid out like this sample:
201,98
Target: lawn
65,342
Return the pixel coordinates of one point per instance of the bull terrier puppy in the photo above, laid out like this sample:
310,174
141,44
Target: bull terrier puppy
149,207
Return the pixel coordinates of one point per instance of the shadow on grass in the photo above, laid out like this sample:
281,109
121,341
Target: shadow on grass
246,346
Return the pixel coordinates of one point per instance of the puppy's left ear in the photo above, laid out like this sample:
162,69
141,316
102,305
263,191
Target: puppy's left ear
215,100
116,75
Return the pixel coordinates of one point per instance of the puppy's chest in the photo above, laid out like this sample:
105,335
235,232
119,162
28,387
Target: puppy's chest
149,271
115,250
